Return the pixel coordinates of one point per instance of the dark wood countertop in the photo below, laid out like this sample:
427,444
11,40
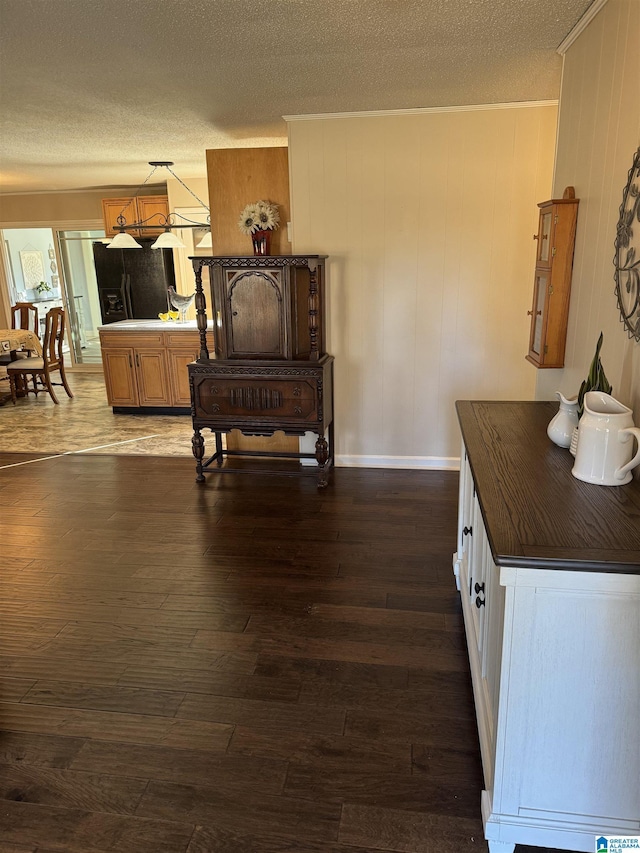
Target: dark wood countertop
536,512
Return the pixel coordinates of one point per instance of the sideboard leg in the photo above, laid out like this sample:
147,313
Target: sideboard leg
501,847
197,444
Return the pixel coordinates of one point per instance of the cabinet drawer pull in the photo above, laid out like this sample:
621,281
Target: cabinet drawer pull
467,531
530,313
479,602
479,587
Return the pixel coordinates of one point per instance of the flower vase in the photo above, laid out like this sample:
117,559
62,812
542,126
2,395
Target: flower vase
261,242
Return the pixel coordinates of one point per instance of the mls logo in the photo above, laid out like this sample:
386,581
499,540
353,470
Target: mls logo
602,845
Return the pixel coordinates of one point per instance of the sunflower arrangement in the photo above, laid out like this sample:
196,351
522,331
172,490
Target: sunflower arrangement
259,216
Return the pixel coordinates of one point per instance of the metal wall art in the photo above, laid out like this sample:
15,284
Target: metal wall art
627,256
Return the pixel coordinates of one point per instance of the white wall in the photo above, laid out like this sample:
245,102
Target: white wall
38,239
428,220
598,134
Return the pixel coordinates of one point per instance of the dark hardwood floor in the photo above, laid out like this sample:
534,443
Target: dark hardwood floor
248,666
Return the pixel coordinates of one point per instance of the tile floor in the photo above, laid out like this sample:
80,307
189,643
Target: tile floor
86,423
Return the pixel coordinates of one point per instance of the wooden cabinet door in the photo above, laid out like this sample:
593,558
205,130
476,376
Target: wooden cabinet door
256,314
178,359
119,376
154,208
112,208
152,377
545,236
537,336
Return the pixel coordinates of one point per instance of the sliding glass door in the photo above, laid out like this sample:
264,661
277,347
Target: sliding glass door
75,249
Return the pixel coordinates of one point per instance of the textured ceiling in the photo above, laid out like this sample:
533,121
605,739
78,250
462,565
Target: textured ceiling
93,89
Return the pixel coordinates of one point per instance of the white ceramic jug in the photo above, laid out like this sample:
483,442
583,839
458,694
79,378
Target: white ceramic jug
605,441
561,426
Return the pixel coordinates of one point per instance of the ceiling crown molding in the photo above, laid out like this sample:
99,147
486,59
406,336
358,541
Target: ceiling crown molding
582,24
513,105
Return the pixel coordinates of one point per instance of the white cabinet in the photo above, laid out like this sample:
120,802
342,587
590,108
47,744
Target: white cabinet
554,656
482,597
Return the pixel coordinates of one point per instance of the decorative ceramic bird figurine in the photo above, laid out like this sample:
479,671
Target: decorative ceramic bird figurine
180,302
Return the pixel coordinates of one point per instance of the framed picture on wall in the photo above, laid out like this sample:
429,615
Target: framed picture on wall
32,263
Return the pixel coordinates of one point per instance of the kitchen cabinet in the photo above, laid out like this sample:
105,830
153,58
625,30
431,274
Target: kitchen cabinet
549,314
548,569
145,367
136,209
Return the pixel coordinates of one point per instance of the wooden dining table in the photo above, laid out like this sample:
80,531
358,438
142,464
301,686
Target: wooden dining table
19,339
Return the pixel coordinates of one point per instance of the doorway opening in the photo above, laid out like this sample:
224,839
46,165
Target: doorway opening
54,268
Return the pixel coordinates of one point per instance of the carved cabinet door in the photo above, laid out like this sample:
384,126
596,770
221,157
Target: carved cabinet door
256,313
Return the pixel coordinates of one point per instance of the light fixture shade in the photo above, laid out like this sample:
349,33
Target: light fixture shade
168,241
124,241
106,240
206,242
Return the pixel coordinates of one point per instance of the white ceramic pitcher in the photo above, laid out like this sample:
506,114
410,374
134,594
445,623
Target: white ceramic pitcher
561,426
605,441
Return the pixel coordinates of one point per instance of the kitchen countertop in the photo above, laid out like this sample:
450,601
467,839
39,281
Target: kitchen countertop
536,513
152,326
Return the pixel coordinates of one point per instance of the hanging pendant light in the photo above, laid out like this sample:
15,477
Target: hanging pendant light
124,241
167,240
206,242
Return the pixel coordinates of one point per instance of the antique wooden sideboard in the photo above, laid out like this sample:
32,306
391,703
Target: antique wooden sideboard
269,371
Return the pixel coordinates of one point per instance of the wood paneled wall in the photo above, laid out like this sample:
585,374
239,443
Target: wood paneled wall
237,177
598,134
428,222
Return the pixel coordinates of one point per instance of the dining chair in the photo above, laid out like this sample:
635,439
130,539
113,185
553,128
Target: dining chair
24,315
41,368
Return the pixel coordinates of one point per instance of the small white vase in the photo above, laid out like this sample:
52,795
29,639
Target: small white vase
561,427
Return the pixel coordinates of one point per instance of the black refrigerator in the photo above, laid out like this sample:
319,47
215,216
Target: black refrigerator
133,283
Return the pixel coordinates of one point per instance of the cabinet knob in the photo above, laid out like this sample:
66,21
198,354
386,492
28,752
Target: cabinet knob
536,237
479,602
479,587
467,531
234,313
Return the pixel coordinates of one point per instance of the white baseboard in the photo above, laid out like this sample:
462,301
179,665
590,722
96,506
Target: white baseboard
432,463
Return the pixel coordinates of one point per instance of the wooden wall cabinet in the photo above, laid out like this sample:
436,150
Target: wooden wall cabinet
552,282
148,369
136,210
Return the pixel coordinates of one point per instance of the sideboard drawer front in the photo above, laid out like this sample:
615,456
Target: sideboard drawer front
293,400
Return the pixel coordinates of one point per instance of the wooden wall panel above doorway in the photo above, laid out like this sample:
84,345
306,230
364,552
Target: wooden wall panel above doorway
237,177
